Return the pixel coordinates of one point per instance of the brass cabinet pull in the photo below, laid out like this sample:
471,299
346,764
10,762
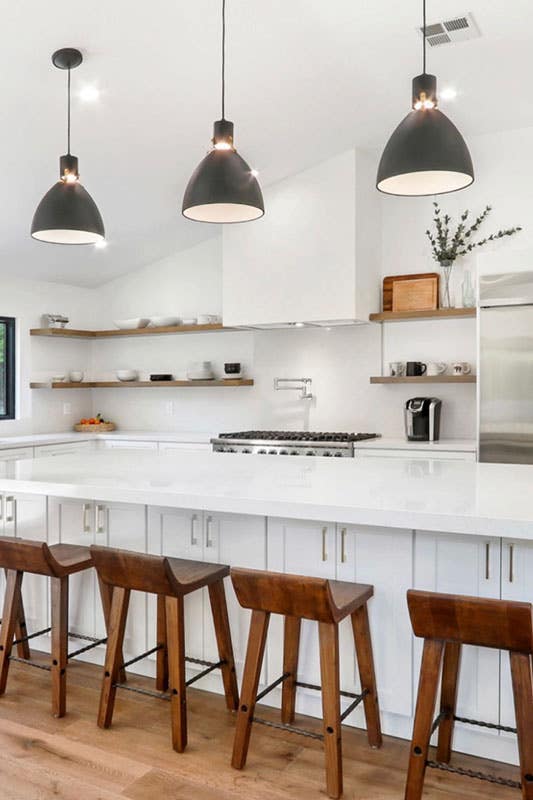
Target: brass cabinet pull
194,520
100,526
487,561
343,545
86,525
10,515
511,563
324,551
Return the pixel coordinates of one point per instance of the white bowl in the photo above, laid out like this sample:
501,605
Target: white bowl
126,324
58,378
127,374
163,322
76,376
189,321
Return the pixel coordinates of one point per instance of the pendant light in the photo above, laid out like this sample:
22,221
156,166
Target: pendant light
67,214
223,188
426,154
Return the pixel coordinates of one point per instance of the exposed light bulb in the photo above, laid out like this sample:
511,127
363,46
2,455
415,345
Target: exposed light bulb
101,244
70,177
254,172
89,94
223,146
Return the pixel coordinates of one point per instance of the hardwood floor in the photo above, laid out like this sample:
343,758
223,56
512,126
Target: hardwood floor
43,758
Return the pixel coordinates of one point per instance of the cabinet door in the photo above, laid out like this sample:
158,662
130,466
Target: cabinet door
123,525
517,569
416,453
128,444
73,521
304,548
179,447
72,448
236,540
361,559
178,533
25,516
468,565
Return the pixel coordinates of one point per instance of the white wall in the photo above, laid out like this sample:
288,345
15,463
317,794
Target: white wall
38,359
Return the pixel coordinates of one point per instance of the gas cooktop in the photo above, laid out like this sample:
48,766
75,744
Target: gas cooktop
292,443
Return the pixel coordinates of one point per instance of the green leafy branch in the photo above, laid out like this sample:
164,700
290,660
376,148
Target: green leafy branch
447,246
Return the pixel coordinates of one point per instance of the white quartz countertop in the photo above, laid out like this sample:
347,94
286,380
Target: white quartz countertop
431,494
384,443
37,439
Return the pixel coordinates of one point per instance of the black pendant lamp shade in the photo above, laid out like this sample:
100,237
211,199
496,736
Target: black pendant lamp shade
426,154
223,188
67,214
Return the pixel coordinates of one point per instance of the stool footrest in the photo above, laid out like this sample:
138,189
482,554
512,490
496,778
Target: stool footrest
93,643
272,686
29,663
316,688
470,773
143,655
204,672
490,725
354,705
289,728
138,690
32,636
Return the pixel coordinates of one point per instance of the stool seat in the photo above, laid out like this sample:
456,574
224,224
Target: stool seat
191,575
347,597
71,558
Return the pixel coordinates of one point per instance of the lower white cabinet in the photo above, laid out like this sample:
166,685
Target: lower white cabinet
443,455
69,449
467,565
179,447
127,444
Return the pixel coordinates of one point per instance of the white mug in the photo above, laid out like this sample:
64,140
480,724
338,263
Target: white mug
396,369
436,368
76,376
461,368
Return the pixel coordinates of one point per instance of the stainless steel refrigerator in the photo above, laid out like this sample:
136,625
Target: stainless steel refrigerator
506,368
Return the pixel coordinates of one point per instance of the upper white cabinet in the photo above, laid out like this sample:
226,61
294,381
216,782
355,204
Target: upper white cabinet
313,256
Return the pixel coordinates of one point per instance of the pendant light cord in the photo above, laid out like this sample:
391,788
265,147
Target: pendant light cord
223,58
424,36
68,112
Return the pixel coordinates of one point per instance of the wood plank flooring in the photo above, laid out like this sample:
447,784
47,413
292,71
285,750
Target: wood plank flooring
71,759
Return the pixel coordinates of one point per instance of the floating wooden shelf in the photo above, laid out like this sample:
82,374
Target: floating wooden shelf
425,379
439,313
72,333
139,384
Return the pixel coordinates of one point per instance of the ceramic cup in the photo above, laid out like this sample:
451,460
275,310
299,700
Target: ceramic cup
436,368
232,369
414,368
396,369
76,376
461,368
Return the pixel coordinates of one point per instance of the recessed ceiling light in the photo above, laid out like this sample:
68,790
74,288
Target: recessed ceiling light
89,94
101,245
448,94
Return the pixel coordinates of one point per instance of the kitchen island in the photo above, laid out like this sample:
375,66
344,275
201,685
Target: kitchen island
396,523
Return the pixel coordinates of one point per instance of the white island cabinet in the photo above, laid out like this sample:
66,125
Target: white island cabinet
313,256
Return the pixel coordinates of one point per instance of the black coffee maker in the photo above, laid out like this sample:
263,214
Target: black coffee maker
422,419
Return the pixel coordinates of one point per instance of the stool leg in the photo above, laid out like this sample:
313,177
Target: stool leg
365,662
219,609
106,594
113,656
425,709
9,623
448,699
523,703
21,631
291,646
250,681
59,604
176,668
328,634
161,678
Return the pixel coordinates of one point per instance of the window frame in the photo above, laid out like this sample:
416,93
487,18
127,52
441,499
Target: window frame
10,368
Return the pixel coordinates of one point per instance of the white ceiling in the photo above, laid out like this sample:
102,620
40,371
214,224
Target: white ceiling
306,79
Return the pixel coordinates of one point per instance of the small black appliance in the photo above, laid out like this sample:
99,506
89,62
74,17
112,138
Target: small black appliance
422,419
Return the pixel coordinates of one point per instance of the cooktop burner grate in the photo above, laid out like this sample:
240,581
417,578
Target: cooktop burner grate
298,436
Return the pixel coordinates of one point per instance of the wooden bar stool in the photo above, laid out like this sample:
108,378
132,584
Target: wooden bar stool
326,602
446,622
58,562
170,579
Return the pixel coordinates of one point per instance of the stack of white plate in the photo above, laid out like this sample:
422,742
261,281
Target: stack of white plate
200,371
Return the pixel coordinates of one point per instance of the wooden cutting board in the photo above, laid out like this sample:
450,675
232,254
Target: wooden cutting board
420,294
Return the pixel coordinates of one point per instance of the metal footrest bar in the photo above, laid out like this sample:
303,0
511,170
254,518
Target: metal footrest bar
272,686
353,705
83,637
202,662
289,728
30,663
490,725
87,647
469,773
32,636
437,721
143,655
204,672
316,688
138,690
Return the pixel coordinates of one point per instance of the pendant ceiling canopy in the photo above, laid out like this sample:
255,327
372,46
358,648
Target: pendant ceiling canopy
426,154
223,188
67,214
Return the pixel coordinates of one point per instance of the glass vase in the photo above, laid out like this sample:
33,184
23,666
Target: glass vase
445,299
468,291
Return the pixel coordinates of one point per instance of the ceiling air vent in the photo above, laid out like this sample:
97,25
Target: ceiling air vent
458,29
